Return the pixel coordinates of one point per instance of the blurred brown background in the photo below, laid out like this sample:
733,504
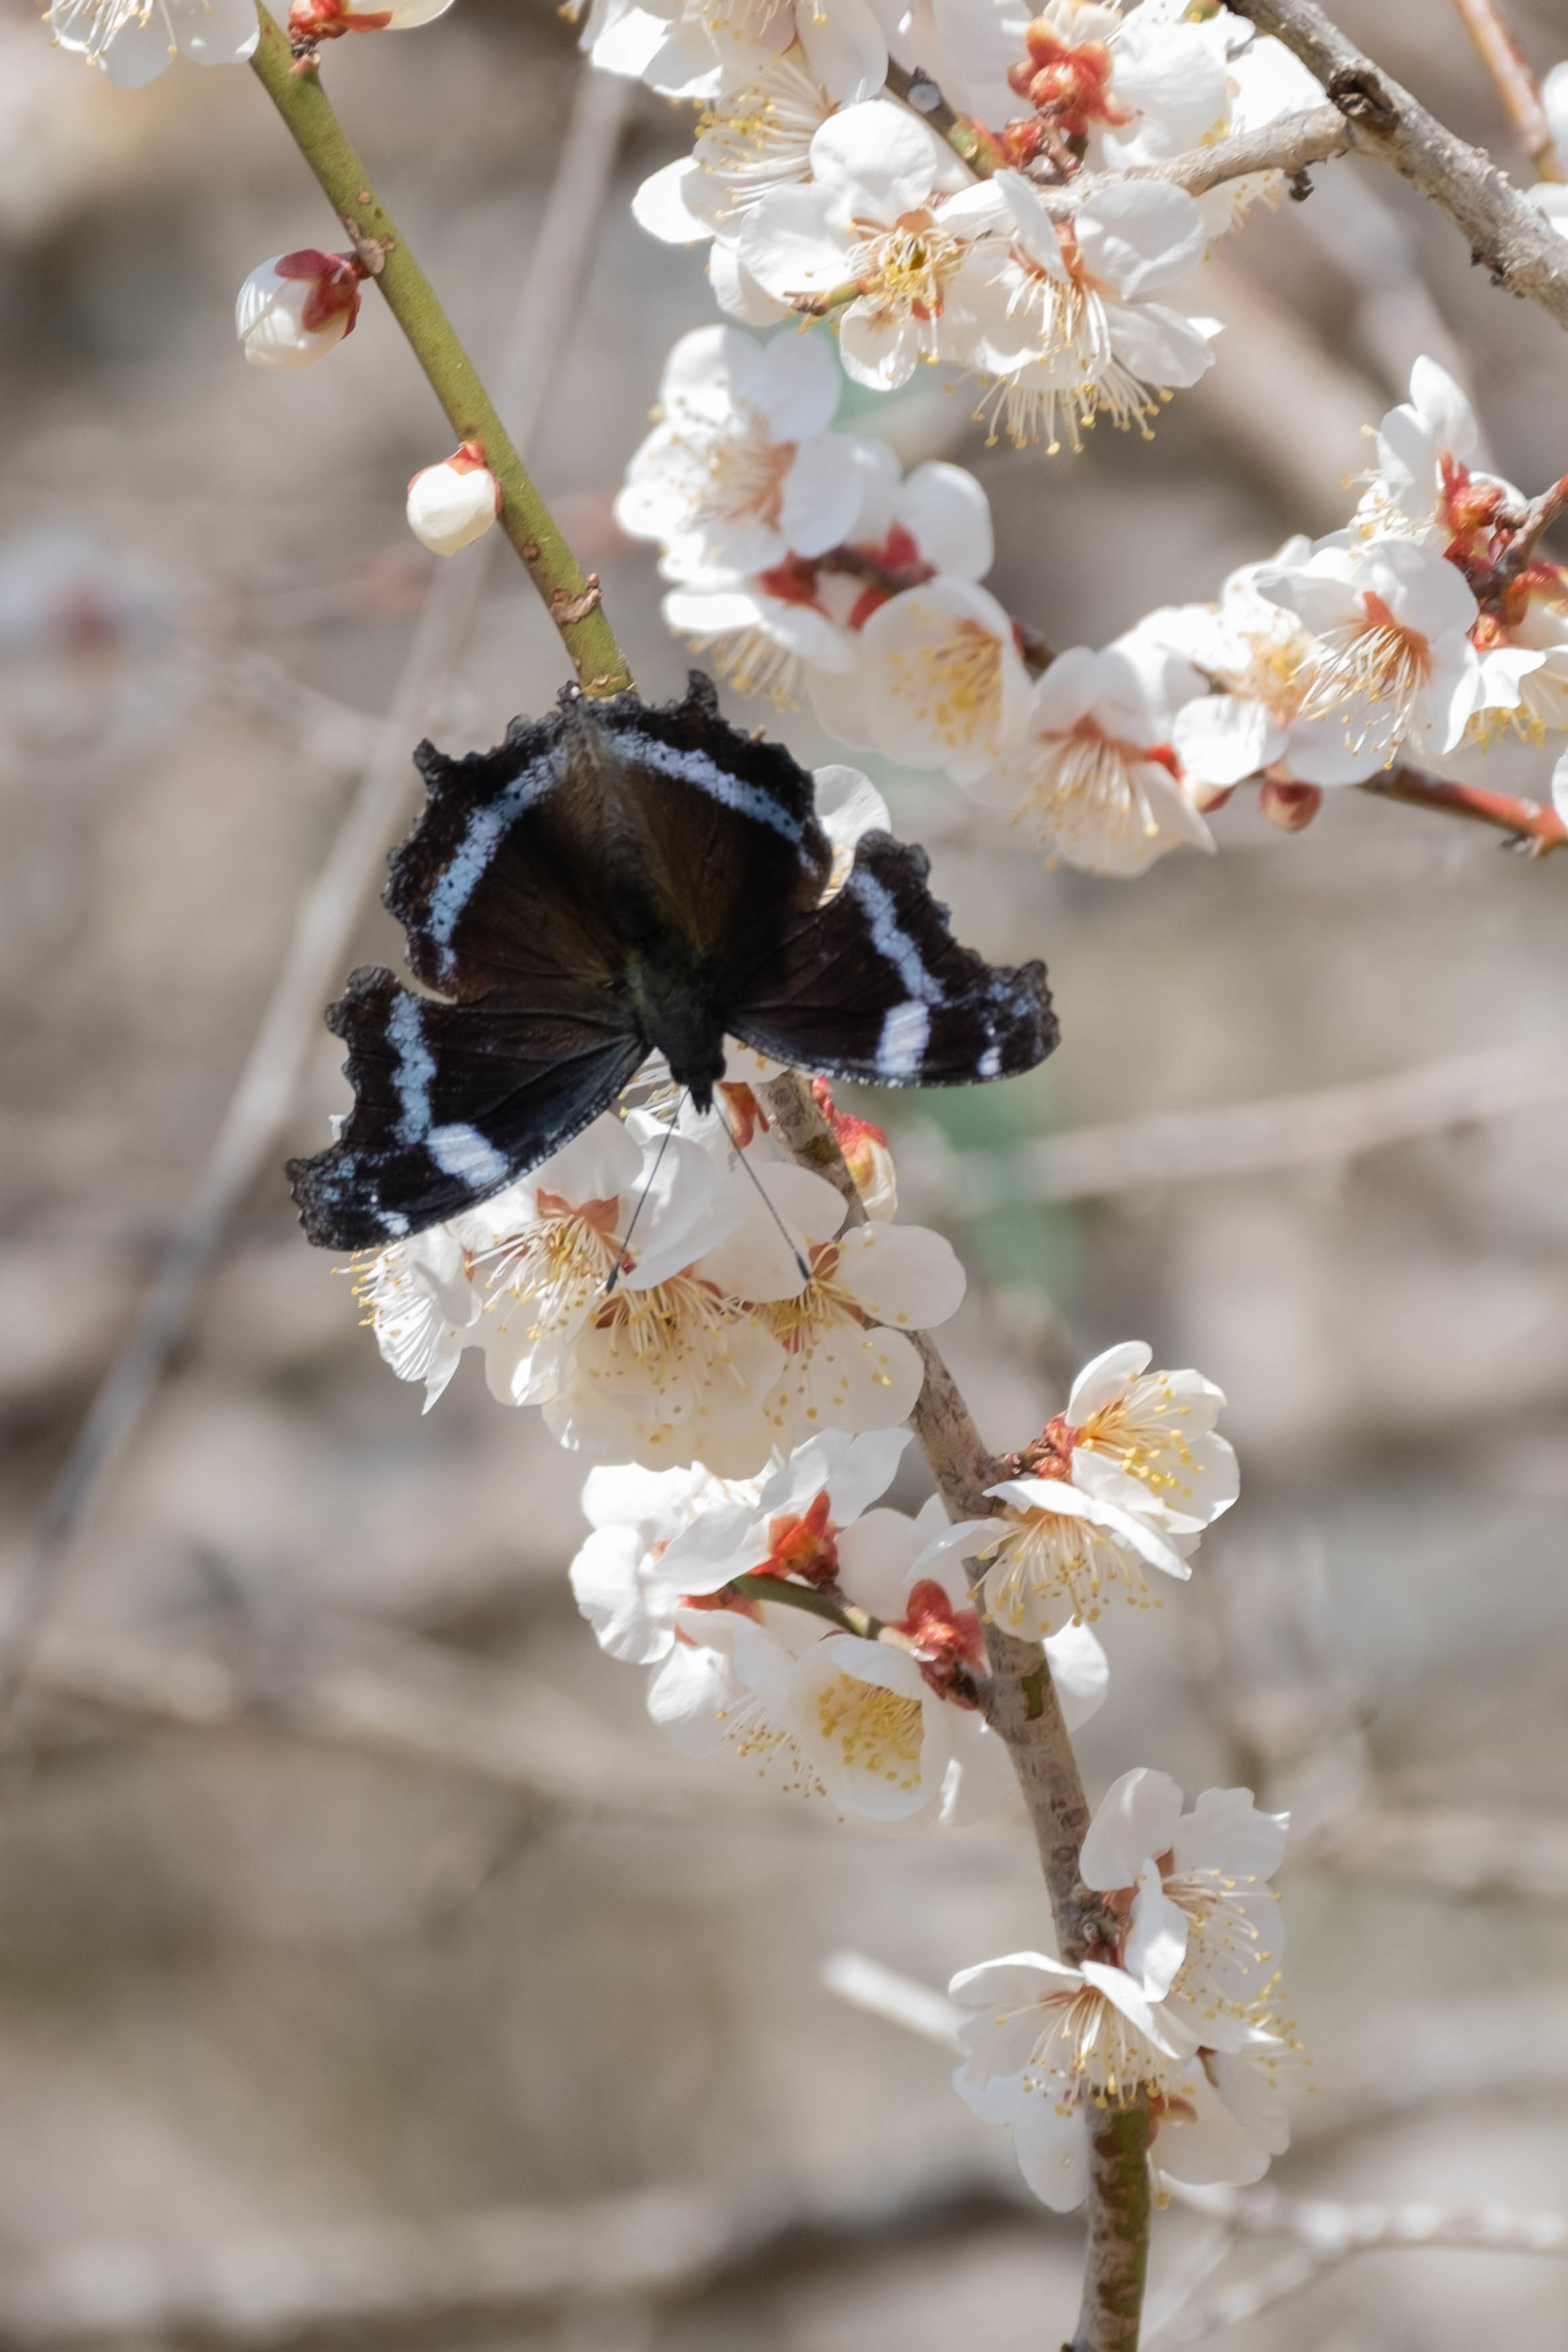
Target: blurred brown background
425,1923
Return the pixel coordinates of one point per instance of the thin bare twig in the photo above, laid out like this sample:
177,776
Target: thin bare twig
1325,2233
1329,1127
324,926
1503,59
1505,232
1536,830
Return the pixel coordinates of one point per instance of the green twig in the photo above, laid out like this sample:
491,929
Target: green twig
966,137
758,1585
571,598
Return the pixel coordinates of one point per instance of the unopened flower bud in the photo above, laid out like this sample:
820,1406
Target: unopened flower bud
454,503
291,310
327,20
1291,806
866,1153
1207,798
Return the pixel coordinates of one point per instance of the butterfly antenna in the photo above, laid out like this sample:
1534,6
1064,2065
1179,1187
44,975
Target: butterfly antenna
642,1196
768,1204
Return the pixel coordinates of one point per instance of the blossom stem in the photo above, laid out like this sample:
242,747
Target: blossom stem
571,598
1536,830
966,138
758,1585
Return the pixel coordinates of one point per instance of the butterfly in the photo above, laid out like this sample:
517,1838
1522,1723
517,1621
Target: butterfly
617,880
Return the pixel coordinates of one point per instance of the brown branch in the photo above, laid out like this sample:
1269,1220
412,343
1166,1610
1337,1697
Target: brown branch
1524,530
1024,1711
1289,146
1119,2209
1505,234
1515,85
1536,829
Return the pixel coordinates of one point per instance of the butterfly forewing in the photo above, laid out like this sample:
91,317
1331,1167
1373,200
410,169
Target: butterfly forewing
447,1109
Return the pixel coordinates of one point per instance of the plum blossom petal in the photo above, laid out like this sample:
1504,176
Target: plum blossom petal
944,682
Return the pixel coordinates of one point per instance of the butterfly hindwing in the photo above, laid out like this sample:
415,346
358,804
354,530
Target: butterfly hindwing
874,986
449,1108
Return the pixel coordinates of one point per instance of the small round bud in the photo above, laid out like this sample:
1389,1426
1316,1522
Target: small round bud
311,21
1207,798
1291,806
291,310
454,503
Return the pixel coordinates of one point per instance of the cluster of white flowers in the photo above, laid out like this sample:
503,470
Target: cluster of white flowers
803,564
1407,634
1178,2006
819,195
673,1291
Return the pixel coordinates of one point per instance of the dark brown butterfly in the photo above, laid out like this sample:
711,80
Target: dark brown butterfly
614,880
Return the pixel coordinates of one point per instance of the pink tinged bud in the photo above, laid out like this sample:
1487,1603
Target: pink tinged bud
1291,806
291,310
452,504
327,20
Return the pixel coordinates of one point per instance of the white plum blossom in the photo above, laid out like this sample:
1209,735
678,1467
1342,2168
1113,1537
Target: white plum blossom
883,1727
1392,663
617,1578
1424,448
887,1730
292,309
454,503
1095,774
940,680
846,1361
625,1197
1131,88
1259,655
758,123
869,232
1064,316
421,1302
770,635
1147,1439
1127,1480
1202,1932
1094,2031
1054,1553
1215,2115
1170,2007
788,1523
741,470
135,40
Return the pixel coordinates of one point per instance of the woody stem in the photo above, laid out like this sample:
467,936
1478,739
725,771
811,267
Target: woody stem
1022,1707
571,598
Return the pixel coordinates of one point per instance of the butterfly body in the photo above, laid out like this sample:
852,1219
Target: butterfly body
614,880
